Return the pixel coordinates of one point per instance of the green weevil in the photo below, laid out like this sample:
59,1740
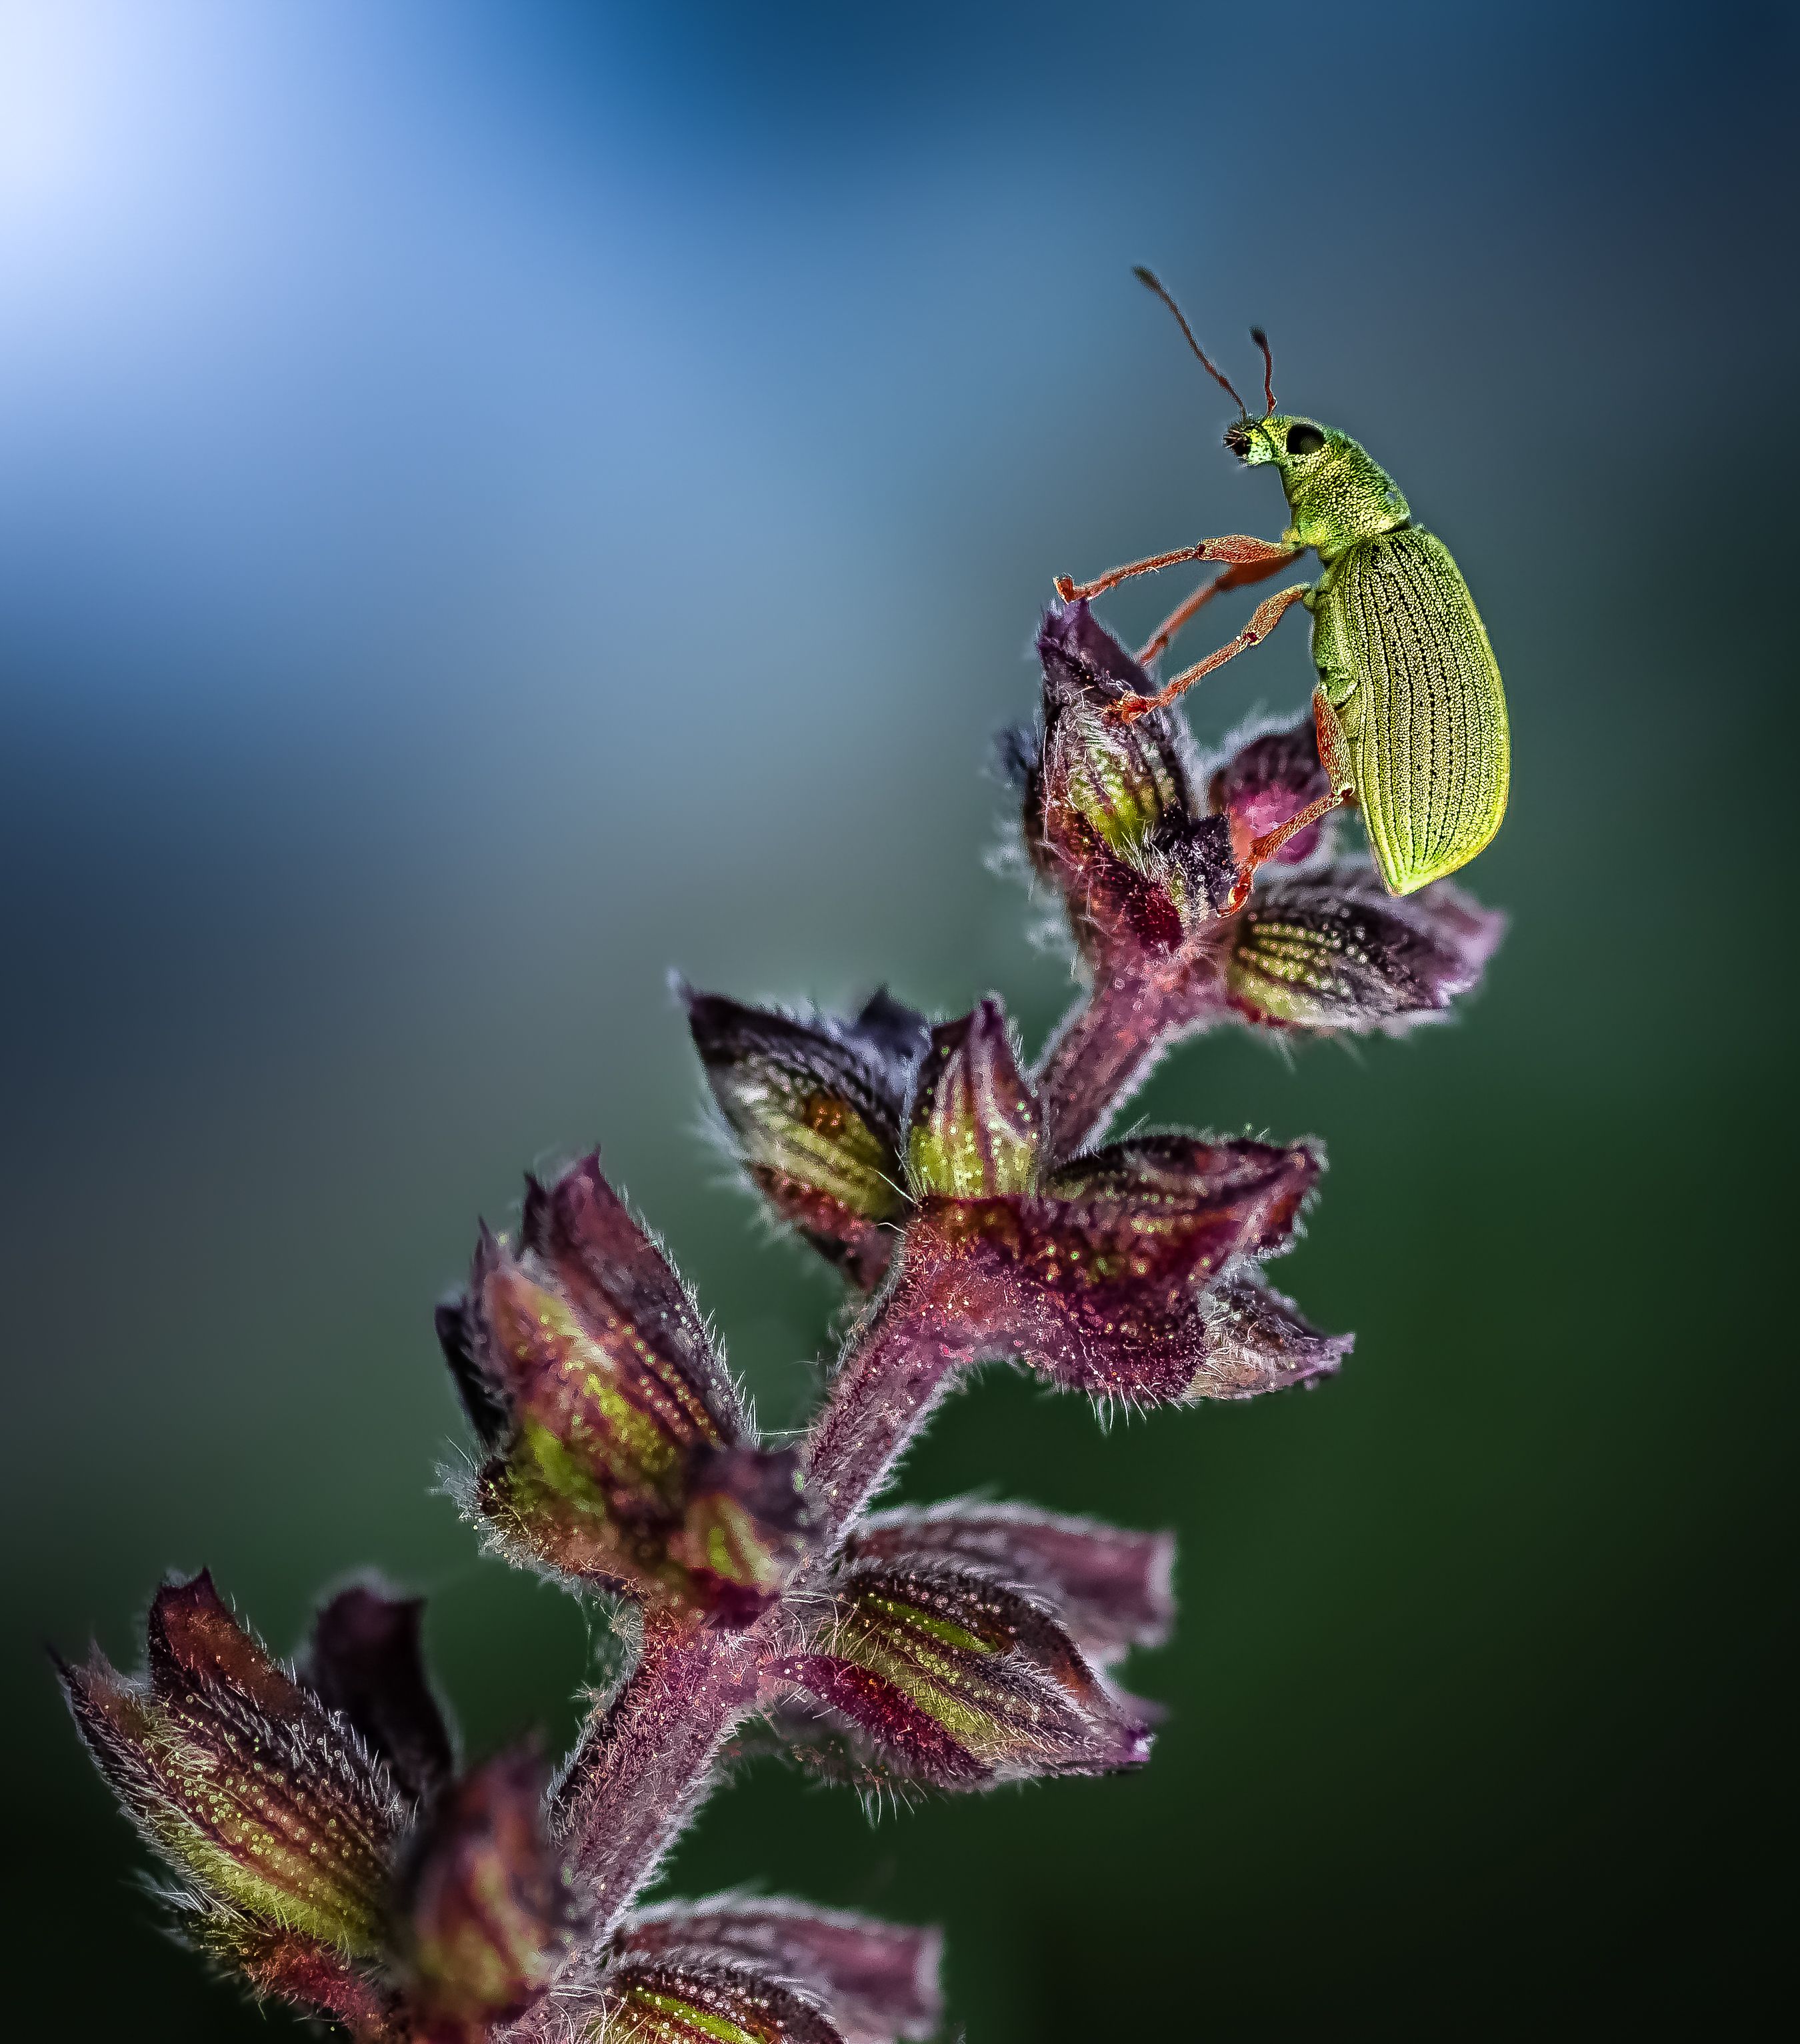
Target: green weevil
1410,715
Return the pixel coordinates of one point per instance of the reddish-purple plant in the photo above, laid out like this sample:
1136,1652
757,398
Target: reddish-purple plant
324,1844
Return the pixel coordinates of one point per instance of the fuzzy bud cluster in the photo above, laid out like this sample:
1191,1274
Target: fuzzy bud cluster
329,1853
620,1453
1128,1272
324,1848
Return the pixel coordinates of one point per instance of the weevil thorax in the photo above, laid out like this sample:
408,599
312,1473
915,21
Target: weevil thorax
1336,492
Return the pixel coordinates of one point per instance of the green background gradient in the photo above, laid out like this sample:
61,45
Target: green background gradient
499,501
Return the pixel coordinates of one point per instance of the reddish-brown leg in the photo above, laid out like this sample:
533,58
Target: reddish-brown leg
1263,619
1334,756
1178,619
1237,549
1334,748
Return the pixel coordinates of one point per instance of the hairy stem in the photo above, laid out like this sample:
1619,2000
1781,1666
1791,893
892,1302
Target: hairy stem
638,1772
1107,1043
898,1368
643,1767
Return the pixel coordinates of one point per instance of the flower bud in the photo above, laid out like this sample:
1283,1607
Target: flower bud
1124,778
1270,776
1100,1280
1109,817
365,1664
958,1680
586,1371
975,1130
279,1822
1254,1341
688,1997
877,1981
1336,951
817,1108
745,1527
485,1906
1109,1588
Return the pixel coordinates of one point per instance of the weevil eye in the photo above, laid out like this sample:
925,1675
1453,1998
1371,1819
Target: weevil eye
1304,440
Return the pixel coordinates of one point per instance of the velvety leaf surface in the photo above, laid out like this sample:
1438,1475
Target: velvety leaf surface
816,1106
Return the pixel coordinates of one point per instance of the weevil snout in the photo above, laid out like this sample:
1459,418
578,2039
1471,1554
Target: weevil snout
1252,440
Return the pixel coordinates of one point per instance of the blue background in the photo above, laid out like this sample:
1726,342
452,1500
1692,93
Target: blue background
499,501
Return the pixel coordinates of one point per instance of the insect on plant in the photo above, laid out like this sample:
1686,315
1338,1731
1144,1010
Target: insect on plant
1410,715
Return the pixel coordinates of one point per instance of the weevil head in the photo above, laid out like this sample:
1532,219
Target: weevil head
1336,492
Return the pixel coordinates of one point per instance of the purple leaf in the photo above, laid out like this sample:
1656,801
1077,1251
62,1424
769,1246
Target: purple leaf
1109,815
1254,1341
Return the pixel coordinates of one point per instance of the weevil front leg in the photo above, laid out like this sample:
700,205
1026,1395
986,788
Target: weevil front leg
1263,619
1236,548
1184,613
1334,756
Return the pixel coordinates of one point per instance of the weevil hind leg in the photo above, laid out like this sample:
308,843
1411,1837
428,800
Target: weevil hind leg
1334,756
1237,549
1263,619
1334,746
1183,614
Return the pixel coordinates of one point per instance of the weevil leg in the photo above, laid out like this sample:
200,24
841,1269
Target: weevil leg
1237,549
1263,619
1334,748
1178,619
1334,756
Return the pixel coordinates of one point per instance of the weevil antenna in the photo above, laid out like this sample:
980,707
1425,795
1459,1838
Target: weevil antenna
1262,341
1151,282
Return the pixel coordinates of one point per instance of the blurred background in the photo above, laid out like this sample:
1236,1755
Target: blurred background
500,501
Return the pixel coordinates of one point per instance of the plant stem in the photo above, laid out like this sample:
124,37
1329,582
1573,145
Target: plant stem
642,1768
898,1367
1107,1043
639,1769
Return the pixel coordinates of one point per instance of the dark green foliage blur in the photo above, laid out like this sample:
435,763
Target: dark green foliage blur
501,500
